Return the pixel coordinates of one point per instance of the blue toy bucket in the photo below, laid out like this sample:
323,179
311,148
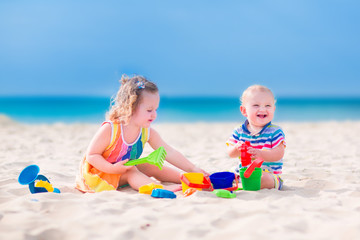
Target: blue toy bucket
222,180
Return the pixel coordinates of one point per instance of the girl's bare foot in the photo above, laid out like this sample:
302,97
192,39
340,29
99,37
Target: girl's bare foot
173,187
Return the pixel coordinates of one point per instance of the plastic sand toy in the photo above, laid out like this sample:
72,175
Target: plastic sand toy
162,193
195,180
189,192
253,182
255,164
37,183
148,188
245,156
224,193
156,158
44,184
224,180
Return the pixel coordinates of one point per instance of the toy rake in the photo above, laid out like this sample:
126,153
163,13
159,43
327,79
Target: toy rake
156,158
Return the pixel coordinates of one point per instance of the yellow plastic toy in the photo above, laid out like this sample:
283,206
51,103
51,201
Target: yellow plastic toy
45,184
148,188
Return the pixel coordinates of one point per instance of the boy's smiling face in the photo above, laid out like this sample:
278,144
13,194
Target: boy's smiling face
258,107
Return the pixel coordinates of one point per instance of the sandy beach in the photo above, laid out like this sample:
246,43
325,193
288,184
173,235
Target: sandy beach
320,199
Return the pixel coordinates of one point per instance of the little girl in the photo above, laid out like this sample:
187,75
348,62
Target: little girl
123,137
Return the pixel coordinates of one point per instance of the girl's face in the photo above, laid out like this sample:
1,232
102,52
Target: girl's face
259,108
145,113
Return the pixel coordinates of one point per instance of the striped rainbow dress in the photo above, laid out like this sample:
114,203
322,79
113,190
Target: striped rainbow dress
90,179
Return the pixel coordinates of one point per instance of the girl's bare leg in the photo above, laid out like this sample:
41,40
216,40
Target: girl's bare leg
167,174
136,179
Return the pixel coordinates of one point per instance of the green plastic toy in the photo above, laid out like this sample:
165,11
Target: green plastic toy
156,158
224,193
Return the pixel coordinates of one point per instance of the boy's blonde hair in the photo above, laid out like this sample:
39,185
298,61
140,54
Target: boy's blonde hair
128,97
254,88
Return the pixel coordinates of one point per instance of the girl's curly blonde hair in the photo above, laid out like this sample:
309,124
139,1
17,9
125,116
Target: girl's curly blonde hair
128,97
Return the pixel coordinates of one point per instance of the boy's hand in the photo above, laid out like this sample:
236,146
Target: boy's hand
120,168
238,145
235,150
255,153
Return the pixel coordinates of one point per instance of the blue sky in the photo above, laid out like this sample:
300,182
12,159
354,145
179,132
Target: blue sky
297,47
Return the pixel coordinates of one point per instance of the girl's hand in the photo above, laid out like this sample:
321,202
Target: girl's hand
199,170
120,168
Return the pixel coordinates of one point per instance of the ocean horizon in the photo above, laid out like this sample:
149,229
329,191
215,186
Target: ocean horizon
88,109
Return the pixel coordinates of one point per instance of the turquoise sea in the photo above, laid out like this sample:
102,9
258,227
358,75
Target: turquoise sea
176,109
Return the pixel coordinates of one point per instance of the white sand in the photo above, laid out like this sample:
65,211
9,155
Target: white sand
320,200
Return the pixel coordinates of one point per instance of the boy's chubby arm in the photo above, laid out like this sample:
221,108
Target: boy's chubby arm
271,155
96,148
234,150
173,156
